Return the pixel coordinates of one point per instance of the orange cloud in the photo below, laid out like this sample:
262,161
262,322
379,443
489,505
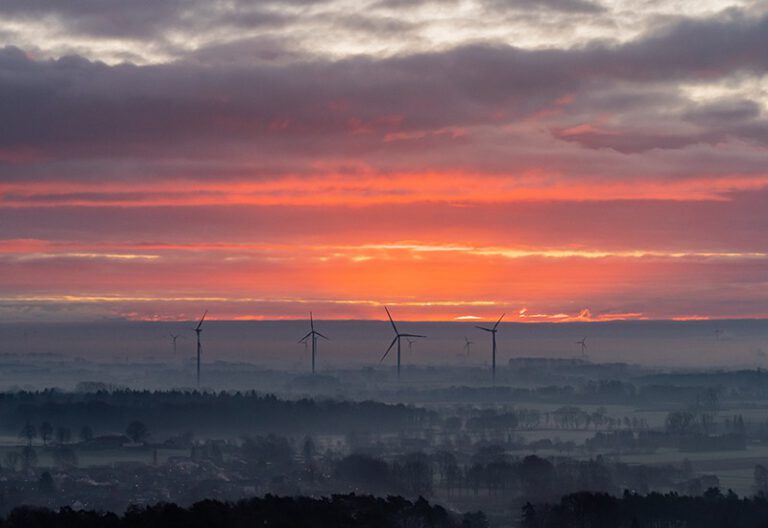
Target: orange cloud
369,188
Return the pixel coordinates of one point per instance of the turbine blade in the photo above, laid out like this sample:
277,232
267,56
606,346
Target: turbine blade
311,322
202,319
412,335
305,337
483,328
391,320
497,322
390,348
321,335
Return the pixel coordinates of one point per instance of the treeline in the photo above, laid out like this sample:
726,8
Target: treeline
223,413
339,511
492,472
655,510
600,392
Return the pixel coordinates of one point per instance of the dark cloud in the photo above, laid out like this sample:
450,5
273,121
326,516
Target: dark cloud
633,142
246,51
564,6
410,4
375,25
673,123
221,98
729,111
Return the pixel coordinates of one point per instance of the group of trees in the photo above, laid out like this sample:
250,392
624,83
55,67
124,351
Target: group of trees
136,431
339,511
60,435
566,417
713,509
223,413
58,441
491,472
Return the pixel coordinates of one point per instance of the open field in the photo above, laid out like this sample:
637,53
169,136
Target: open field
99,457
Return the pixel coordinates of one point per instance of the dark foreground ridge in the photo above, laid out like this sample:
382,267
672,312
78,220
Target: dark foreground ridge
337,511
655,510
578,510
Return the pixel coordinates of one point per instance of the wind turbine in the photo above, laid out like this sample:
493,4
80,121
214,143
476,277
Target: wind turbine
583,344
397,338
493,331
468,345
314,335
198,329
174,337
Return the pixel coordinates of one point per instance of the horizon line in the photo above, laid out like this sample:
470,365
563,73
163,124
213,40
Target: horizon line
693,319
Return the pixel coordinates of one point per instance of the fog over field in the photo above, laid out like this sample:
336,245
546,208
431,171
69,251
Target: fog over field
274,344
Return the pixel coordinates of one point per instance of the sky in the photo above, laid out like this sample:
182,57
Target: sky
554,160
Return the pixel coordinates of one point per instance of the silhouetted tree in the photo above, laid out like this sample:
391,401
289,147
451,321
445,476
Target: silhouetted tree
474,520
86,434
28,432
46,430
417,474
363,470
343,511
45,483
529,519
680,422
63,435
761,480
447,468
137,432
537,476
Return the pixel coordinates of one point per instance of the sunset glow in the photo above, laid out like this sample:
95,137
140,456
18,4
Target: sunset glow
581,175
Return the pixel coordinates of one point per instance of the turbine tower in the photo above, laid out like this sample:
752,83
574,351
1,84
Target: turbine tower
198,329
583,344
468,346
493,331
397,338
314,334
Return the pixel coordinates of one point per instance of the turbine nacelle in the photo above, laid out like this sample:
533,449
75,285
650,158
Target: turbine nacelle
494,328
397,338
